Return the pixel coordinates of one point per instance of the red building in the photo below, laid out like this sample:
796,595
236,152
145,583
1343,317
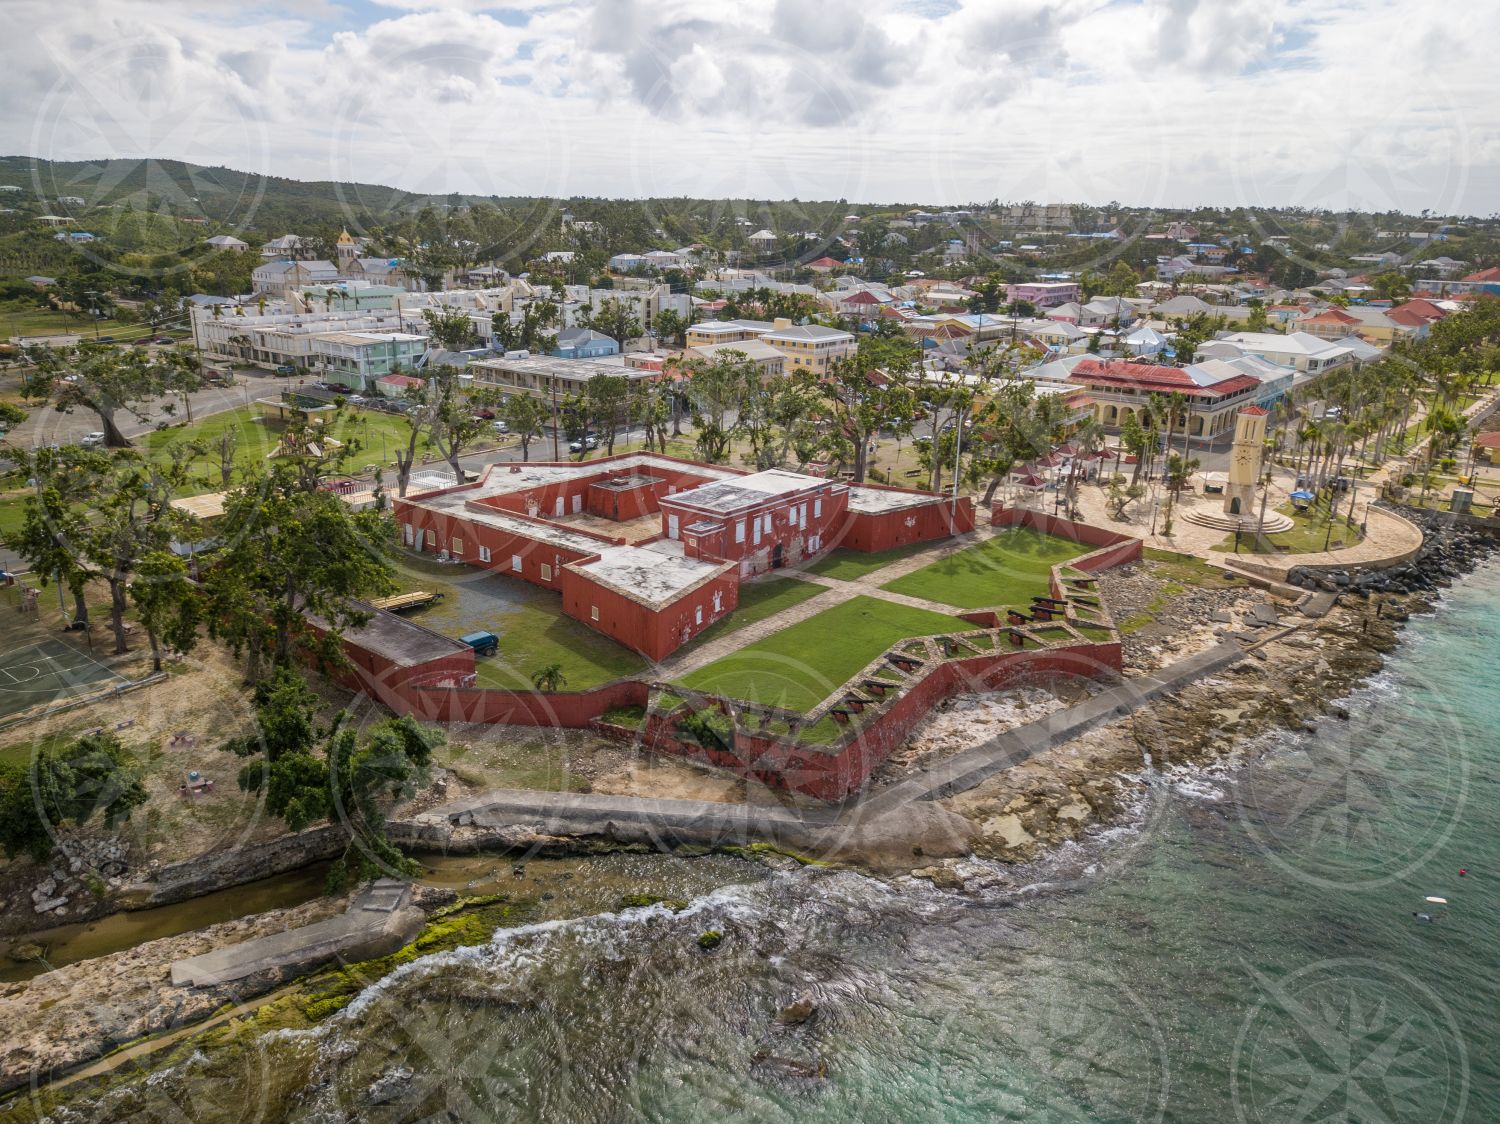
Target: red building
650,550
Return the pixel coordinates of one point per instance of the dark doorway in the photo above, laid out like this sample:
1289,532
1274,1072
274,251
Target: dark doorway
1234,506
777,559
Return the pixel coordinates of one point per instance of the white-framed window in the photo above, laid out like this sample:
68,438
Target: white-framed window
515,563
431,537
406,533
484,554
546,572
818,507
594,612
577,504
757,529
718,601
558,506
698,615
739,530
455,546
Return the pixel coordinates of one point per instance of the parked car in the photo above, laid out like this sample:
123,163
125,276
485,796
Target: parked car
92,440
165,341
583,443
106,339
356,399
501,427
338,387
484,414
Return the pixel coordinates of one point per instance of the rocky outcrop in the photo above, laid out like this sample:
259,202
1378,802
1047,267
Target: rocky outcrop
1450,549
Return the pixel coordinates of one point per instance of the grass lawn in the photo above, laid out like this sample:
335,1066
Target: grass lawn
846,565
528,620
800,666
759,599
1007,570
376,436
26,319
1307,536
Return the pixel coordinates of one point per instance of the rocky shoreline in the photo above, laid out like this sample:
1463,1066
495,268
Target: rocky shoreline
69,1017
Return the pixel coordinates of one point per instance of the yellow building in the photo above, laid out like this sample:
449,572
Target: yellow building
809,347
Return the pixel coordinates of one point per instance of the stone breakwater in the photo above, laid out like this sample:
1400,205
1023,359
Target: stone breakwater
1451,547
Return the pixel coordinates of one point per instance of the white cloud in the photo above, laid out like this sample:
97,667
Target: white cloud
1377,103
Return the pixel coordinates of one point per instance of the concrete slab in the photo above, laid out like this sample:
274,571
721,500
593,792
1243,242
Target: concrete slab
378,921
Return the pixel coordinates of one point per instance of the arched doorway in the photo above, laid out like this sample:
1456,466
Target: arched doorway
777,557
1234,506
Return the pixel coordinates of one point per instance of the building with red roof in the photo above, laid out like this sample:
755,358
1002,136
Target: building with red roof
1215,392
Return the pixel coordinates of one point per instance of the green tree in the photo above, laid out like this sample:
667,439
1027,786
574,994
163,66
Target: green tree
614,318
452,328
671,327
530,333
107,381
167,602
606,399
549,678
867,392
92,776
524,416
292,553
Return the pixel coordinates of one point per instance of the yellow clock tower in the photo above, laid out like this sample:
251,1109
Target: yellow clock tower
1244,461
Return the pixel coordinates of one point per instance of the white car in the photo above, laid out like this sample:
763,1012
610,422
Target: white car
92,440
500,427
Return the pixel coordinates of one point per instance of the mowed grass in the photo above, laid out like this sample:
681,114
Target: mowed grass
800,666
371,437
846,565
1007,570
762,598
528,620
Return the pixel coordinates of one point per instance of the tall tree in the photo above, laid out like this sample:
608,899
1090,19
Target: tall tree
167,602
107,381
531,332
452,328
867,392
291,552
614,318
524,416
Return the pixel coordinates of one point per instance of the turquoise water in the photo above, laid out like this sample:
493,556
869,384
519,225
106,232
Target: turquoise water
1245,950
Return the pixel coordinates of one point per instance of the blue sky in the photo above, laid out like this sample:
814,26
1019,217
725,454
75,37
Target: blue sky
1371,104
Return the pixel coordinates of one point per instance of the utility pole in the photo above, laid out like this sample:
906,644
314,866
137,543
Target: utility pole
555,454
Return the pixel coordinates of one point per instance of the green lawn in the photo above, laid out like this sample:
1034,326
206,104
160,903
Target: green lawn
374,438
19,318
1007,570
1309,533
800,666
846,565
529,621
762,598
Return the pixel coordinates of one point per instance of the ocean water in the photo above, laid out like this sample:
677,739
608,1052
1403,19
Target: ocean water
1245,949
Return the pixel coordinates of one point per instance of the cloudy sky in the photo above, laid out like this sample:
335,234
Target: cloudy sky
1371,104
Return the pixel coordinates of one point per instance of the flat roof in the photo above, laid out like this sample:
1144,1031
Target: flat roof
458,504
403,642
871,501
649,577
506,478
745,491
573,369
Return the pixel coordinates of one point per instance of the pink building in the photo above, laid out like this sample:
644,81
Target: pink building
1043,294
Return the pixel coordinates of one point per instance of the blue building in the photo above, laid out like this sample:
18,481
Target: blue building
584,343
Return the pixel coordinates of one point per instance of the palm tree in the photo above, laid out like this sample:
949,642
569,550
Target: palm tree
549,678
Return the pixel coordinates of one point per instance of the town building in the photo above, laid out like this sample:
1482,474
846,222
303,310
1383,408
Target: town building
1120,388
650,550
809,347
770,360
1305,352
359,359
544,377
227,242
583,343
1043,294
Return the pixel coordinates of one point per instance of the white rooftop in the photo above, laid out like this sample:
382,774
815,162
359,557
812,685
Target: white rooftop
649,576
736,493
873,500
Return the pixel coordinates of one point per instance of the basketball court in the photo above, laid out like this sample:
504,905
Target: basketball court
47,671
